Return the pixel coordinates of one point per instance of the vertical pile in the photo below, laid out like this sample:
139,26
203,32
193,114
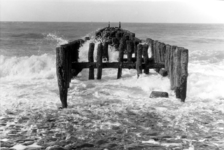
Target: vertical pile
175,60
65,55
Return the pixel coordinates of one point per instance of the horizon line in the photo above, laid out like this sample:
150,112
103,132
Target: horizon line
114,22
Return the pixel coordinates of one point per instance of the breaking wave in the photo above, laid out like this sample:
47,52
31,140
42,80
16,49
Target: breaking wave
43,36
26,67
205,81
58,39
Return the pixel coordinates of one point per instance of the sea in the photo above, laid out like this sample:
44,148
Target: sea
28,69
28,81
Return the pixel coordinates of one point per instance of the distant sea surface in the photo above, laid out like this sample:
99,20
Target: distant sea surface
34,38
27,60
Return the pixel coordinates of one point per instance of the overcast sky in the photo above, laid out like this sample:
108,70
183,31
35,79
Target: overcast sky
153,11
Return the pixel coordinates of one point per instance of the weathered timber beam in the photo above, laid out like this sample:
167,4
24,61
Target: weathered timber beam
105,51
62,73
150,43
139,59
91,59
181,87
99,61
114,65
130,50
120,59
146,57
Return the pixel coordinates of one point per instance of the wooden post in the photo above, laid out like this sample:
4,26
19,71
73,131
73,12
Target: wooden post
177,69
150,43
135,48
69,64
146,58
130,50
167,59
105,51
152,50
156,54
139,60
120,59
155,51
181,90
162,50
62,73
74,46
171,69
158,51
99,60
90,57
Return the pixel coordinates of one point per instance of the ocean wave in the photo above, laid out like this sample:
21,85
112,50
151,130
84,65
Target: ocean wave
46,43
206,81
210,56
58,39
28,67
41,36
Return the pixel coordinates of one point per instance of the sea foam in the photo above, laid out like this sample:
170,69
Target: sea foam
205,80
58,39
83,52
34,78
27,67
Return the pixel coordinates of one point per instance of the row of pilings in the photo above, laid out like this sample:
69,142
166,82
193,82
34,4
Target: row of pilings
166,59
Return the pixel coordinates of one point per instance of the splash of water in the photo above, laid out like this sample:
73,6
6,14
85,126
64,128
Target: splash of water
58,39
26,67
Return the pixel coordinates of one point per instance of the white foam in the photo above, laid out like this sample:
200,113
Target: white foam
58,39
206,81
32,81
83,52
27,67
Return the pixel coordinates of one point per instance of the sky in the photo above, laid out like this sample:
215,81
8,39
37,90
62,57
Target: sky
148,11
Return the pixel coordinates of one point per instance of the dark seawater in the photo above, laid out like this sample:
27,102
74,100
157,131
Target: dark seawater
205,41
27,60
